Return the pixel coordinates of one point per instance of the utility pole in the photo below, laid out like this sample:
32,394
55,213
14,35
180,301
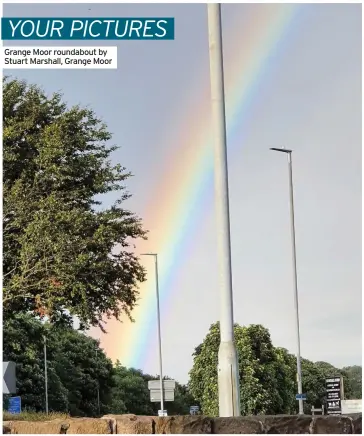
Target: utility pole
155,256
45,374
228,375
294,264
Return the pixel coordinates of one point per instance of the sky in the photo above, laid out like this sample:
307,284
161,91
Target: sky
307,97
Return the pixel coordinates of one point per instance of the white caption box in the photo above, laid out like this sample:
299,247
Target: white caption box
60,57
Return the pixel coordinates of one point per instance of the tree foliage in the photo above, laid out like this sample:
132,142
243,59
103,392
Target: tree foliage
353,382
77,370
59,244
267,374
263,373
130,394
77,367
66,254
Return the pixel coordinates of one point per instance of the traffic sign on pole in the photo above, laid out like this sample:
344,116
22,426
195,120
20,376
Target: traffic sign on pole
167,385
155,396
168,390
9,378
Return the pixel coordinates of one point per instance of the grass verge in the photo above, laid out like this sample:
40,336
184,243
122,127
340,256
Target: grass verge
33,416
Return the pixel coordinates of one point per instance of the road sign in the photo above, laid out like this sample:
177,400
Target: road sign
155,392
14,405
301,397
162,413
333,395
155,396
168,385
9,378
194,410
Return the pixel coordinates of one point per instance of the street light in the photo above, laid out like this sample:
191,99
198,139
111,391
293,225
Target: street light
155,255
98,387
45,373
294,263
228,376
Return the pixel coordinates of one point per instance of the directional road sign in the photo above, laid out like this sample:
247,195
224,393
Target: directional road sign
155,396
9,379
301,397
155,392
168,385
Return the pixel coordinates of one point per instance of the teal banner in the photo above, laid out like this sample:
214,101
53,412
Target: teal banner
86,28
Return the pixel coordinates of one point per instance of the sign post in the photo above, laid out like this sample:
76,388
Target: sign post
334,388
155,392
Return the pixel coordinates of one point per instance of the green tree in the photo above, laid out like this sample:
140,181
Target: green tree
352,382
313,384
267,375
314,376
287,375
183,400
77,367
326,369
84,370
264,381
130,393
23,344
59,244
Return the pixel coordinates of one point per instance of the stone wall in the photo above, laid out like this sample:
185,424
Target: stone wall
132,424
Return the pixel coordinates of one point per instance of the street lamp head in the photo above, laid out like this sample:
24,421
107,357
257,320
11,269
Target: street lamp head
148,254
282,150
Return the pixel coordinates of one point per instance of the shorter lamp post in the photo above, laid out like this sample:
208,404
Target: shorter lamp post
294,263
45,374
98,387
155,256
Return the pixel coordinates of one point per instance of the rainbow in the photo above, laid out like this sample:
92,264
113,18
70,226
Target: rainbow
191,174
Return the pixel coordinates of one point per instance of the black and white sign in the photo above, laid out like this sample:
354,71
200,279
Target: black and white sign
9,378
162,413
333,395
